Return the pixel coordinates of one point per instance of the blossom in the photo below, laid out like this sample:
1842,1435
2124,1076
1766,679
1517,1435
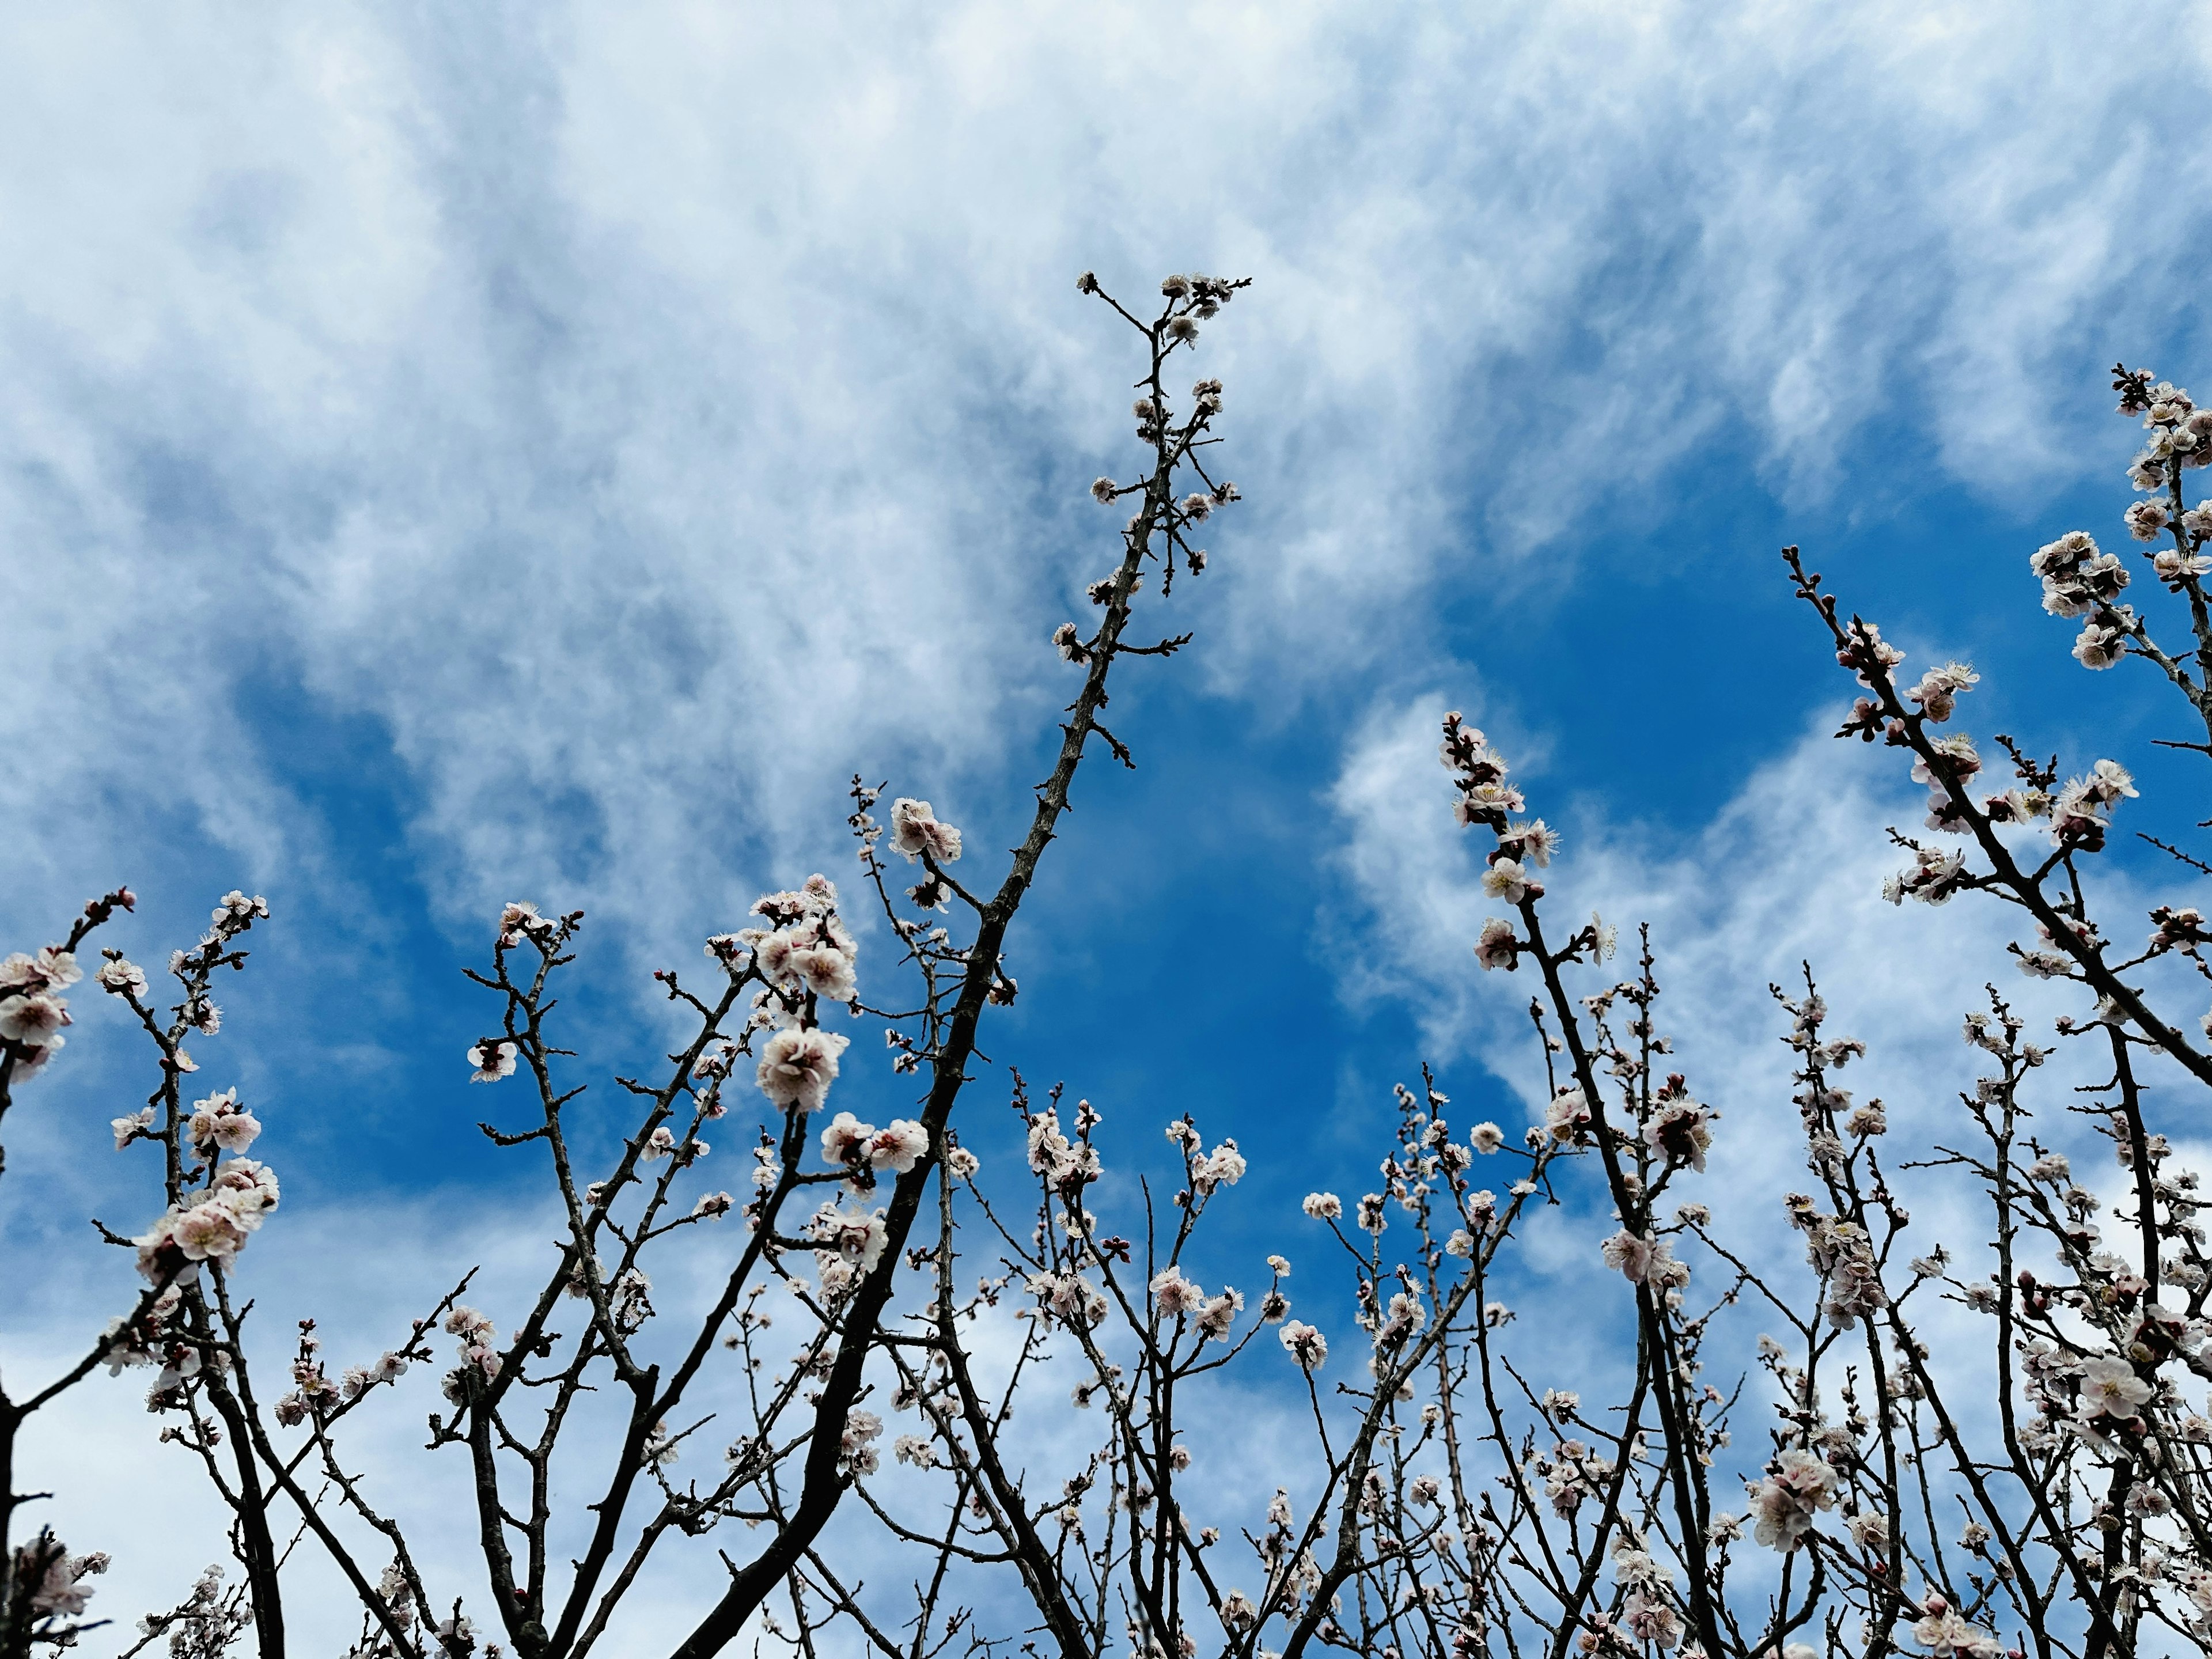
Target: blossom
1534,843
493,1061
1939,688
1068,1165
916,831
1217,1315
1628,1254
852,1237
961,1163
219,1121
856,1450
1947,1634
56,1588
1305,1345
2109,1387
1681,1131
1506,879
1568,1115
827,971
1174,1295
2175,569
1785,1501
35,1021
1324,1207
1869,1529
2099,646
1936,876
121,978
845,1139
797,1066
1224,1166
52,968
898,1147
128,1129
1498,946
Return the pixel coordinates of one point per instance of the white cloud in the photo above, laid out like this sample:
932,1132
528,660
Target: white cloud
645,420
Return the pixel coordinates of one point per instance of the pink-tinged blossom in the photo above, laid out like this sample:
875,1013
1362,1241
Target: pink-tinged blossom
1866,652
911,1448
52,968
1937,694
120,978
2176,570
899,1147
1305,1345
1324,1207
846,1140
1224,1166
58,1591
1946,1634
827,971
1067,1166
2111,1388
1567,1118
1068,1298
492,1061
1642,1260
796,1067
856,1447
2146,519
214,1224
2078,577
208,1232
1487,1138
2099,644
1497,947
1505,879
219,1121
1784,1503
963,1164
1681,1130
1935,876
916,831
247,1188
1174,1296
135,1127
1534,843
713,1206
35,1020
1218,1315
856,1239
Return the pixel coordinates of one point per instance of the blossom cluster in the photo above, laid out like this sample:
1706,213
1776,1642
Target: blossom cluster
32,1011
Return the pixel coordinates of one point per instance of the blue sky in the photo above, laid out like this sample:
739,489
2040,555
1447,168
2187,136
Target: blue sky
544,453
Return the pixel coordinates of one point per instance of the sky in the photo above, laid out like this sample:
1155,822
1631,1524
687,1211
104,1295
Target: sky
546,452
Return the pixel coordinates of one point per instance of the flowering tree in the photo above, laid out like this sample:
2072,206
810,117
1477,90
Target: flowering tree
1443,1495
